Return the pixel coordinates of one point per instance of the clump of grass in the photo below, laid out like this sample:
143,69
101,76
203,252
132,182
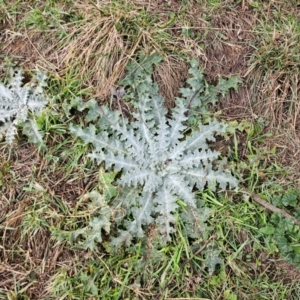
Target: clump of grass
101,45
275,64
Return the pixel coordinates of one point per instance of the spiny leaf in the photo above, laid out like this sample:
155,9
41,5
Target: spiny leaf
105,181
30,128
16,101
155,157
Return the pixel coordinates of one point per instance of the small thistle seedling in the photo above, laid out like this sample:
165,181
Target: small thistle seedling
16,103
157,161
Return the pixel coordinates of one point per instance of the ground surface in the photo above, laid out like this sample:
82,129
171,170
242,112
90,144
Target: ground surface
85,47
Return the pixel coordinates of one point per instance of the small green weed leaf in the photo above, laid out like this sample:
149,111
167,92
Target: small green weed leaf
200,95
186,32
139,71
195,221
96,198
103,222
93,234
91,286
290,199
228,295
64,235
212,260
296,248
94,111
283,244
85,134
100,221
277,201
286,237
35,136
224,85
267,230
106,179
74,103
90,235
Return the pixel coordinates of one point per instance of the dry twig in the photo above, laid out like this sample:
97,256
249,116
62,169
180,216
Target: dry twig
270,206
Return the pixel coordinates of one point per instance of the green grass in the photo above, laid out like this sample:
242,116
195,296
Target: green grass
42,199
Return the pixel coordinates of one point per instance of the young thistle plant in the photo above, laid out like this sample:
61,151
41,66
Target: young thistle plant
157,160
16,102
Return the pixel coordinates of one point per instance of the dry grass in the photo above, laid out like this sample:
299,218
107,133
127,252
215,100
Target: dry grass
274,66
170,76
36,196
99,50
100,46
